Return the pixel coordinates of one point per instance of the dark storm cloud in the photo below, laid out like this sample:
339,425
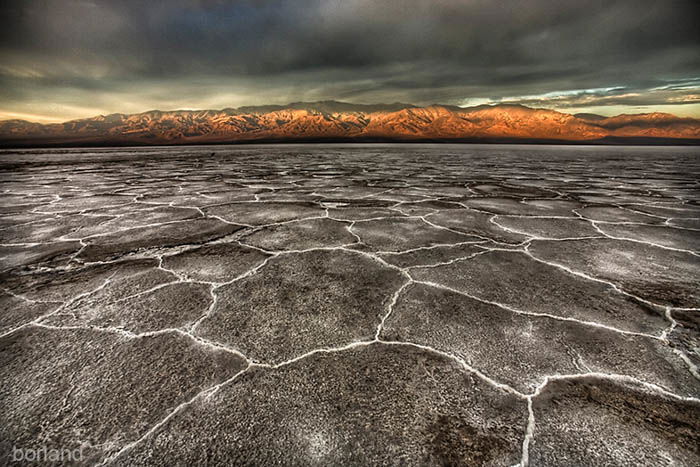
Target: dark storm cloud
96,53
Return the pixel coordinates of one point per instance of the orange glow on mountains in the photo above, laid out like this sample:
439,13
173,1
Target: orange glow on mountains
339,121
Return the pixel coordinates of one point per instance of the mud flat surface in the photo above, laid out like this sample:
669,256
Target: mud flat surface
352,305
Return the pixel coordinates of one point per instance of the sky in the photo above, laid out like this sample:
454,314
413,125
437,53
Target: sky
68,59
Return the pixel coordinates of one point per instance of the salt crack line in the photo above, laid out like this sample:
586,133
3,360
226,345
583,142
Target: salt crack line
664,335
423,218
152,289
431,247
159,332
353,233
602,281
613,377
452,261
532,237
383,218
531,425
24,298
216,286
65,238
62,307
425,348
322,350
529,435
477,235
390,306
634,240
202,394
460,361
257,228
536,314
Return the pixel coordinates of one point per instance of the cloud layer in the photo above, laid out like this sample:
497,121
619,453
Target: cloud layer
70,58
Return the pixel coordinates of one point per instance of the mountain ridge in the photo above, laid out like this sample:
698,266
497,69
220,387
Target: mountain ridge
333,120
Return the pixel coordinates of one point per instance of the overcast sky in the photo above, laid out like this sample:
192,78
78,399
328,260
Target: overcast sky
64,59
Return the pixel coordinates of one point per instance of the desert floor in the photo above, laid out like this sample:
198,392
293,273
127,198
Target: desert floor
358,304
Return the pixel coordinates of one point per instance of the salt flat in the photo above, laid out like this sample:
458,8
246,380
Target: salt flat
352,304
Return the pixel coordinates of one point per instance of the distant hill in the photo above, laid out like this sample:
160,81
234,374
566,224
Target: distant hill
340,121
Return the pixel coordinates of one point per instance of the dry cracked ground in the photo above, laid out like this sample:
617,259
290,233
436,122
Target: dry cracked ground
328,305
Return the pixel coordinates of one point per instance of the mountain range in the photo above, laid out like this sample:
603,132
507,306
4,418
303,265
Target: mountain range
339,121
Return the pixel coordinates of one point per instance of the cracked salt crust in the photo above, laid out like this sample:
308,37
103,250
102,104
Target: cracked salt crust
425,216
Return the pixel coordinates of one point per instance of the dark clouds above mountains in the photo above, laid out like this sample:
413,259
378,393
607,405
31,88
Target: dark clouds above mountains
70,58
